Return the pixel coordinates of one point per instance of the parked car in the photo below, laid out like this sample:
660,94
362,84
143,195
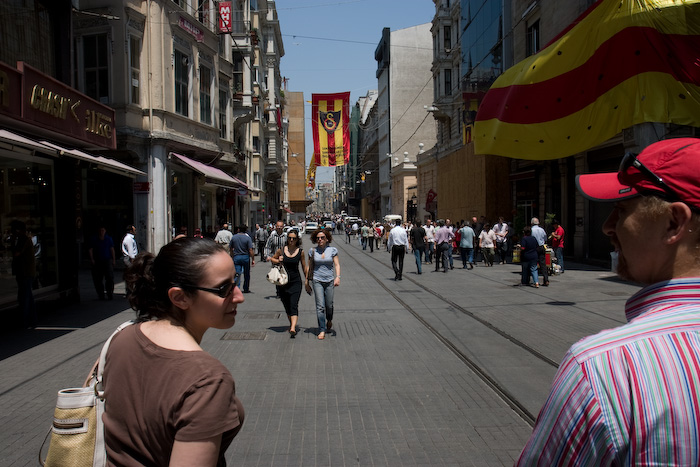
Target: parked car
311,226
328,225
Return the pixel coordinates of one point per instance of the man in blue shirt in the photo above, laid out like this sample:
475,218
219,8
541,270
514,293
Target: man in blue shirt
243,257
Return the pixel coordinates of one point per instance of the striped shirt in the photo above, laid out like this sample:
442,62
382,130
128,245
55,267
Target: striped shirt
629,395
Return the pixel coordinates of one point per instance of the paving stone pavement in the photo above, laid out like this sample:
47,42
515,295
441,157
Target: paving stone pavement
382,389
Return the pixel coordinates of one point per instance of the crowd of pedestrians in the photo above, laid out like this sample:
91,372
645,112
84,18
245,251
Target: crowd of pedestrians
475,242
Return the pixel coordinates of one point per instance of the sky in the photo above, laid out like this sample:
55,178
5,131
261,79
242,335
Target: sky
329,46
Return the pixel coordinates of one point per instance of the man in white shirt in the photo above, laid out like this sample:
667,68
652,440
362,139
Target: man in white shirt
398,242
223,236
501,231
430,236
129,247
541,237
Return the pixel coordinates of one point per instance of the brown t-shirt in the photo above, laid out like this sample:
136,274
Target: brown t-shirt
155,396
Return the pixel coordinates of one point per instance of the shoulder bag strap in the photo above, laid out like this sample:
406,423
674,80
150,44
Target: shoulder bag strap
99,371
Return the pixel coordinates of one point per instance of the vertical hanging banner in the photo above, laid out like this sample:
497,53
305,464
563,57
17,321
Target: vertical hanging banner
225,17
331,118
311,175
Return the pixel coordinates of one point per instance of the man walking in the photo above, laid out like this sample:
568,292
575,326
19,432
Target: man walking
430,240
443,238
629,395
466,246
501,231
276,240
243,256
223,236
364,232
102,257
398,241
129,247
417,239
541,237
261,236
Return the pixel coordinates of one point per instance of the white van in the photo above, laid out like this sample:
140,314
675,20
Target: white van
391,218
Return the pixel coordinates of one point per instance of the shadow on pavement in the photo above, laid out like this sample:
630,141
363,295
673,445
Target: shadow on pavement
56,318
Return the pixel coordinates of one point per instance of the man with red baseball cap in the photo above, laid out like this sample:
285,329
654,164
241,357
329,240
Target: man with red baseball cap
631,395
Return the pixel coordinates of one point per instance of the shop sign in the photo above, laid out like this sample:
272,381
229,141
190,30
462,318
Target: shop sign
142,187
191,28
53,105
10,91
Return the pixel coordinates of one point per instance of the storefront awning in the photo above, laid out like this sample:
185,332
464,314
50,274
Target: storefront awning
17,140
54,149
105,163
211,174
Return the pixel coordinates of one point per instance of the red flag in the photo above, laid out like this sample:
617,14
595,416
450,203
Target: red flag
330,123
625,62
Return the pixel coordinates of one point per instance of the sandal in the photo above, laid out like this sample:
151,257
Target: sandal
322,336
292,334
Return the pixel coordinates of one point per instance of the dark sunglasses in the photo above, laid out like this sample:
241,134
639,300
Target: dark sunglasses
292,238
222,291
630,160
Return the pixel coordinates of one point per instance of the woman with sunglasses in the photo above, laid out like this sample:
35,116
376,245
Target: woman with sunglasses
323,275
170,402
290,256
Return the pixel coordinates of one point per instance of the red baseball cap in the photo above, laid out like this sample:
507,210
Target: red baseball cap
670,168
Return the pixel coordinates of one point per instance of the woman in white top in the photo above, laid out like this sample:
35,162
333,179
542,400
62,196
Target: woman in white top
487,241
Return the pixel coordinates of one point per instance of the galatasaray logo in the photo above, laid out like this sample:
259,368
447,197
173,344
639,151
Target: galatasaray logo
330,120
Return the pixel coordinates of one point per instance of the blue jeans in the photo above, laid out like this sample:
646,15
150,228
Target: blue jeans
431,250
467,255
529,268
418,252
323,294
559,252
242,264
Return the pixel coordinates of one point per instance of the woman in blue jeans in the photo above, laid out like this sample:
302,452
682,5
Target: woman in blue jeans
324,275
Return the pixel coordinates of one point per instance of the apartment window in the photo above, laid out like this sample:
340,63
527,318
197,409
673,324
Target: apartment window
95,67
135,64
256,144
256,180
203,12
223,48
182,83
448,82
237,72
447,37
533,38
204,94
223,109
178,2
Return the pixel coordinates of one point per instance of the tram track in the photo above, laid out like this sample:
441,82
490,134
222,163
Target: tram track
510,399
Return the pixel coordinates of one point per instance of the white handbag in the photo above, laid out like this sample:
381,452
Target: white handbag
77,434
278,275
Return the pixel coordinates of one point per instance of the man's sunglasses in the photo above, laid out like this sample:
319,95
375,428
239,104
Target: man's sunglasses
222,291
630,160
